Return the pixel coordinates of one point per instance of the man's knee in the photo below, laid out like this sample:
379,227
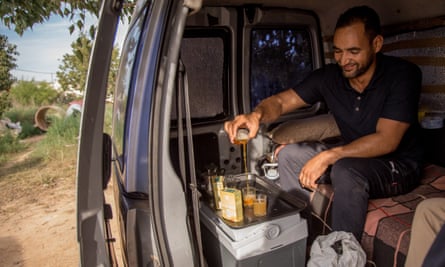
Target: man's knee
345,176
341,170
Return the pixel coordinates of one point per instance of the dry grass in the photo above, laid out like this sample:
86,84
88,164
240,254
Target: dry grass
37,208
38,201
26,175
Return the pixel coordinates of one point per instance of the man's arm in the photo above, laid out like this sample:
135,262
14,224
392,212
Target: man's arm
385,140
273,107
268,110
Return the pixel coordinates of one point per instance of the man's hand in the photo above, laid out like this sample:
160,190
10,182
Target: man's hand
267,111
315,168
249,121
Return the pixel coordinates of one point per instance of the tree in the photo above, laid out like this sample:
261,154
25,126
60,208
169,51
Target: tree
73,70
22,15
8,52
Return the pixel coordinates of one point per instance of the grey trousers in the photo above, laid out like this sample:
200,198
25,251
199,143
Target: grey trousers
291,160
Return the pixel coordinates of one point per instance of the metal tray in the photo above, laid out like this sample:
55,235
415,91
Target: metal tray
279,203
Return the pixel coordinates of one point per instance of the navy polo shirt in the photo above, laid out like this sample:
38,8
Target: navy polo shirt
392,93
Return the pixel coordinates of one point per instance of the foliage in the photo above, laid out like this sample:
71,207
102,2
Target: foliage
8,144
72,72
5,104
112,73
67,97
33,93
61,138
8,53
21,114
29,130
22,15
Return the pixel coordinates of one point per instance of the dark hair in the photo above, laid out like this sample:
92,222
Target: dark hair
363,14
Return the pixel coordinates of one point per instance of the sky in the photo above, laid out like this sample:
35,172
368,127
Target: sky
42,48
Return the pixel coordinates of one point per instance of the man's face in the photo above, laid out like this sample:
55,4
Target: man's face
353,51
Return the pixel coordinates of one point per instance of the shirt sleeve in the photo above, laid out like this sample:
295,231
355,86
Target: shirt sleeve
310,88
404,92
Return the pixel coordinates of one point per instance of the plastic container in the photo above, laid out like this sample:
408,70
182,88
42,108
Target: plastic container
276,239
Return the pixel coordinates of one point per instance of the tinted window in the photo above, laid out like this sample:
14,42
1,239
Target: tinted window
280,58
123,87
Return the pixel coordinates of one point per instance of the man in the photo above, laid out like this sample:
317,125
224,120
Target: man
374,100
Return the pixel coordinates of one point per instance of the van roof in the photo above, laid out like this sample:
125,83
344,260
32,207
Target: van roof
391,12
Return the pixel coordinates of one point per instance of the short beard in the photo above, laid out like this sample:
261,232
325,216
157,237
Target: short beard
360,71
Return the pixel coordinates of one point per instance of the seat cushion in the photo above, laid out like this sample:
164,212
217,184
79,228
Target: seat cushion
315,128
388,223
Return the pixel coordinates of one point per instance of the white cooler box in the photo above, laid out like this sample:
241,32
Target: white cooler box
278,241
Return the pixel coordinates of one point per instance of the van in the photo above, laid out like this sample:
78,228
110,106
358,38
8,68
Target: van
186,67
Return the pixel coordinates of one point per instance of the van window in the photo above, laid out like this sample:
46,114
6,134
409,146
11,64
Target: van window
122,96
205,54
279,59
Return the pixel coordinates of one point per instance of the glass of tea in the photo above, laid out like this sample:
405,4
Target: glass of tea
260,205
248,196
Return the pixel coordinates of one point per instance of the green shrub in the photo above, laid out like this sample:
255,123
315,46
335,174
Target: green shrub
29,130
9,144
61,138
66,129
33,93
22,115
5,102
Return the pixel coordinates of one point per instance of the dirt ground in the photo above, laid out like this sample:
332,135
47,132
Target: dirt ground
38,214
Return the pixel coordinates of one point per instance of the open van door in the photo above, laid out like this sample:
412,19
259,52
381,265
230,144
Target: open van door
156,226
91,176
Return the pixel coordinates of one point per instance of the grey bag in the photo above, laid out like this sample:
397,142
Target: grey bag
337,249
